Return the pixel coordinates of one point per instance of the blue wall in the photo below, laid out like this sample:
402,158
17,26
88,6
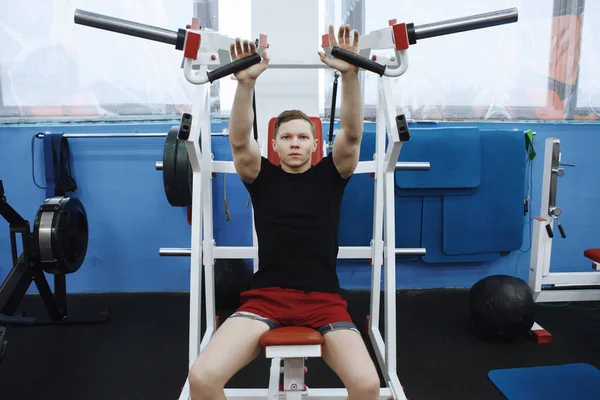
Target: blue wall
130,218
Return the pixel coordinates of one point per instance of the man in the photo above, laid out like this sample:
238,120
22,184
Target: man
297,208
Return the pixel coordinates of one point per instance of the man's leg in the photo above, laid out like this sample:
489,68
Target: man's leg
346,354
234,345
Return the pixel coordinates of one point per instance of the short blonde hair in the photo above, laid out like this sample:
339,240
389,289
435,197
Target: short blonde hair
290,115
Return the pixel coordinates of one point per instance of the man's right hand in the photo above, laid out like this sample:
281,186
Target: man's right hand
238,51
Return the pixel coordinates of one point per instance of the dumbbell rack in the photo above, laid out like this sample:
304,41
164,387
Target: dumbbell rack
200,57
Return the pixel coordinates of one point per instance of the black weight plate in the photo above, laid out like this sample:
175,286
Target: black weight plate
184,175
61,234
170,167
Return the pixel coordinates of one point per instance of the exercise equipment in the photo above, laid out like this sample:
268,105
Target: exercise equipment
292,345
177,171
502,307
568,381
57,245
550,286
61,235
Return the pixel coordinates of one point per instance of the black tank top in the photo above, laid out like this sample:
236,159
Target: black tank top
297,218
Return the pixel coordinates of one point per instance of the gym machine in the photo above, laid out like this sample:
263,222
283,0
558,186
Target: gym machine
557,286
56,246
206,58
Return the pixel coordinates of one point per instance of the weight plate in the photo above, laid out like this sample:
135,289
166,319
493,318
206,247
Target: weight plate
170,167
184,175
61,233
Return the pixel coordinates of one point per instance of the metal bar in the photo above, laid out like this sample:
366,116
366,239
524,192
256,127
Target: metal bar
174,252
318,393
413,166
549,296
159,165
298,66
116,135
408,252
125,27
572,279
182,252
466,23
107,135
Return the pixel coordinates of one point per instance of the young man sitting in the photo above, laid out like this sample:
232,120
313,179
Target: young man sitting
297,212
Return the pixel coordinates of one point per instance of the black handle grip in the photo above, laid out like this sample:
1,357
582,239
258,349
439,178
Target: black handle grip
333,100
402,125
549,230
562,231
185,126
359,61
233,67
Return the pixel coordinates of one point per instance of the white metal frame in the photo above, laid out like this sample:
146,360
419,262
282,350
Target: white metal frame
204,250
553,286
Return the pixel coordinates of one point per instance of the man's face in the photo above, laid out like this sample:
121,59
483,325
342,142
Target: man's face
294,142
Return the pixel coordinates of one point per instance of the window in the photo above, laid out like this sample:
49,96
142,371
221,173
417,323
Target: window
588,96
52,67
490,69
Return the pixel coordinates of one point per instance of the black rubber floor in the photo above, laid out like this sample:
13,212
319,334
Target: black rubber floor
142,352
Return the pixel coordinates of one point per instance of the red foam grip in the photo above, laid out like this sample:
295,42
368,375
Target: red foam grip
325,39
400,36
192,44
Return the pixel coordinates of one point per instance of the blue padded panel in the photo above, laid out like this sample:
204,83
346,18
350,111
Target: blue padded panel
432,237
455,157
568,381
491,220
356,223
356,213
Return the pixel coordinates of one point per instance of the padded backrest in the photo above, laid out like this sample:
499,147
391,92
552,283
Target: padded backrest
317,155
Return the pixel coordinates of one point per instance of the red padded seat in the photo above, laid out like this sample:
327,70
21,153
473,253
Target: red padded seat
592,254
291,336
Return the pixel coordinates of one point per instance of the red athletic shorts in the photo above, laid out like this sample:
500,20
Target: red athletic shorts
281,307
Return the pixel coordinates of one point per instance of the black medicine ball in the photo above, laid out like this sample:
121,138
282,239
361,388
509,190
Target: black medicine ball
502,307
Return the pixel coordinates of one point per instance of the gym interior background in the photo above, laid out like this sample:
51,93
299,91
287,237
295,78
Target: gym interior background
539,75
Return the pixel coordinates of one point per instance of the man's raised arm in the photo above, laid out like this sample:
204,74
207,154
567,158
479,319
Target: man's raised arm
346,148
246,153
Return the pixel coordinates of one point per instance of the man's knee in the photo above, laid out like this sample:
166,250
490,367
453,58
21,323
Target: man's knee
204,380
365,387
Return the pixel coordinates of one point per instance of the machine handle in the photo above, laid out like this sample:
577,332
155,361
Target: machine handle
359,61
562,231
233,67
129,28
185,126
549,230
464,24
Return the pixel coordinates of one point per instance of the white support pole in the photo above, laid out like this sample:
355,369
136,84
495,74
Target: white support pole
391,158
377,241
539,242
207,211
545,203
192,145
